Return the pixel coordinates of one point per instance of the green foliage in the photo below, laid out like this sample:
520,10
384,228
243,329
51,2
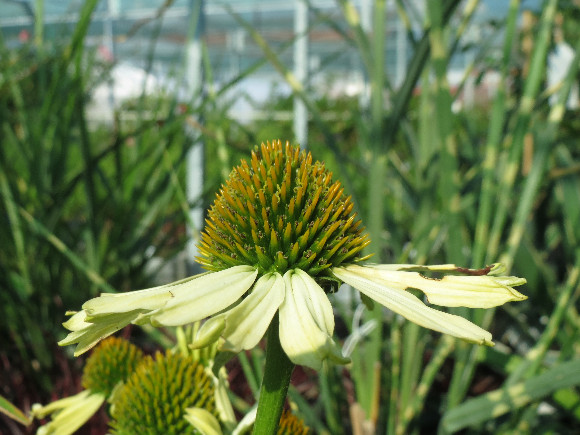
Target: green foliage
13,412
83,208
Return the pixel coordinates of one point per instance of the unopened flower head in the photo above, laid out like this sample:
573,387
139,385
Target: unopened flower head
112,361
155,397
280,236
282,211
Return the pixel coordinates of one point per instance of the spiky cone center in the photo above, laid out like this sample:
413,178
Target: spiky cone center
292,425
282,211
112,361
154,398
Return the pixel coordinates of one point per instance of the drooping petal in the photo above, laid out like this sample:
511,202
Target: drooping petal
472,291
173,304
203,421
87,332
245,324
147,299
307,322
157,297
68,414
410,307
205,296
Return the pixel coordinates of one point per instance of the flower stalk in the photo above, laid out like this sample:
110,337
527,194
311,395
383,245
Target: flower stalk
277,374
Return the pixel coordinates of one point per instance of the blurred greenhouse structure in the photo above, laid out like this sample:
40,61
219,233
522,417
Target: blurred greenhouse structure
122,31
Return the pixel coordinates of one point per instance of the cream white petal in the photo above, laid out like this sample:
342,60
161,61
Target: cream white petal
247,322
203,421
39,411
77,321
69,414
316,299
247,422
472,291
156,297
185,301
222,400
87,333
205,296
306,322
410,307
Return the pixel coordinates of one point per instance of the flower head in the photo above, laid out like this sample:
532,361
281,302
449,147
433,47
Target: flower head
280,236
155,397
110,363
108,366
280,212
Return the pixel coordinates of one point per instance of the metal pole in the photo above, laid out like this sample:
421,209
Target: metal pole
301,70
195,156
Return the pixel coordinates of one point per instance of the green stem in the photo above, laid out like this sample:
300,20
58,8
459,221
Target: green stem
275,384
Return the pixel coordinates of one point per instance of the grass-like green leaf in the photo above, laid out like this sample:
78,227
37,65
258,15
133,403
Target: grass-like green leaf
13,412
499,402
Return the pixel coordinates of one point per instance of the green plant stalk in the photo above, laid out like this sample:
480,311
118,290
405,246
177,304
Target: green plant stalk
415,69
510,398
277,374
363,44
413,408
90,235
468,13
372,53
534,358
328,392
253,383
38,23
466,365
523,210
540,160
375,215
492,146
16,231
395,374
448,191
311,417
449,177
13,412
531,88
413,345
